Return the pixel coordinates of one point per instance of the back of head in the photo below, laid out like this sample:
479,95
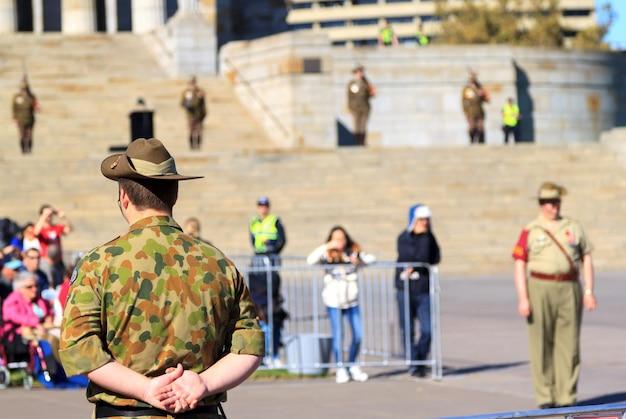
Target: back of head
151,194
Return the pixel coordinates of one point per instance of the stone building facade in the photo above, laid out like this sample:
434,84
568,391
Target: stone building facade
359,21
89,16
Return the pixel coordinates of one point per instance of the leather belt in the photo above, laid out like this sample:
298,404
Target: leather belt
570,276
105,410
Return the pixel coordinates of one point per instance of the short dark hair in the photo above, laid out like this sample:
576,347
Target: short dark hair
43,207
31,249
153,194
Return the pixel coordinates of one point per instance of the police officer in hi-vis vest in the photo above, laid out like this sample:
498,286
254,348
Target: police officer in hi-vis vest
510,120
549,255
268,240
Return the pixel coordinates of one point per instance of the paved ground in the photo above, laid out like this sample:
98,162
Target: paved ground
485,353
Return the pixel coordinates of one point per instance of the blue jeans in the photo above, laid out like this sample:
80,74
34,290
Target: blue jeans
276,336
336,324
419,308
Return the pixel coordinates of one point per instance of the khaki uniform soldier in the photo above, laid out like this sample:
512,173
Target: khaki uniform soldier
160,322
360,90
193,100
548,256
472,98
24,107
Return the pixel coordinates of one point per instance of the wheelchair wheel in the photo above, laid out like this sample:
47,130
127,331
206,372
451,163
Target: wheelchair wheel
27,383
5,377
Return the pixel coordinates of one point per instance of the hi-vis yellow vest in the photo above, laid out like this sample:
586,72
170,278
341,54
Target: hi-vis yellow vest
263,230
510,115
387,35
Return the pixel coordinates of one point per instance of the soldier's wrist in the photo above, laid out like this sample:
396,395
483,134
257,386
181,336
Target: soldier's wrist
588,291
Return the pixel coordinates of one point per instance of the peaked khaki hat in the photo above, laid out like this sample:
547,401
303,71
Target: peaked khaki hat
550,190
143,159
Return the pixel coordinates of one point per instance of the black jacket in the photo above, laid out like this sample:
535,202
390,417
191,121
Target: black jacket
417,248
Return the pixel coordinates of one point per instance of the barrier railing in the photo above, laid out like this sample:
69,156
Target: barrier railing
290,285
605,411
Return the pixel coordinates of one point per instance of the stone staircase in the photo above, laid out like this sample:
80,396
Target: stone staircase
86,85
481,196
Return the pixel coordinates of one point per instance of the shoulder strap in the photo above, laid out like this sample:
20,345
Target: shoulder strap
572,265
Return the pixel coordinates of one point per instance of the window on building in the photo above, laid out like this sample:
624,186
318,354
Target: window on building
403,19
576,12
333,3
333,24
101,16
361,2
24,15
430,18
124,16
301,26
365,42
52,15
301,5
365,22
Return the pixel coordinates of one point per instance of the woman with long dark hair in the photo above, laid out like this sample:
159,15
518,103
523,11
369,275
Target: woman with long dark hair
343,256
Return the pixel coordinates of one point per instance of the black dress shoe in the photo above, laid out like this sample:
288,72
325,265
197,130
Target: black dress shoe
547,406
419,372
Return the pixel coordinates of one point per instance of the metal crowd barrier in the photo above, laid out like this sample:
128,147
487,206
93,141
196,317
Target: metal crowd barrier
301,291
605,411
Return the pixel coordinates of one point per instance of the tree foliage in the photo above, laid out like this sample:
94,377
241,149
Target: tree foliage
538,24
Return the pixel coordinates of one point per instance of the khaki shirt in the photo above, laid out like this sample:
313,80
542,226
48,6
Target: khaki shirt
472,100
359,96
24,105
193,100
540,252
151,299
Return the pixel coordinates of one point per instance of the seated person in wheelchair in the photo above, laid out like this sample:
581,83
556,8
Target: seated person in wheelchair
26,315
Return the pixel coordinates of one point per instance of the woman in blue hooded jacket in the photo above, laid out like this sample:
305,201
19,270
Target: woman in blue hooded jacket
416,244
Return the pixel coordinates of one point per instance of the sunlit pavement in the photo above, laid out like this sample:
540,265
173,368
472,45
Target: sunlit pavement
485,354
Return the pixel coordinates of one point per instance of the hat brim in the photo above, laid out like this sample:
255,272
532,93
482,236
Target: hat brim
117,167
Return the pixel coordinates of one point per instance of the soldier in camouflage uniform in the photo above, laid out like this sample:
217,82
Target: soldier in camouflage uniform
160,322
195,106
472,99
24,107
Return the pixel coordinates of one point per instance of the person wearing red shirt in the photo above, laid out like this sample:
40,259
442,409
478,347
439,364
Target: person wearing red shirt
49,232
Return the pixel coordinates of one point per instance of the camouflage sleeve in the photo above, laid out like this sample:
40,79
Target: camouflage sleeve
247,336
81,349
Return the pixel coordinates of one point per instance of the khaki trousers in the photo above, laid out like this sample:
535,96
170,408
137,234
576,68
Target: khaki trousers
554,337
360,121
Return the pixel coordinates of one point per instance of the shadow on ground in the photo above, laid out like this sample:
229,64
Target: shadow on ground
604,399
449,371
482,368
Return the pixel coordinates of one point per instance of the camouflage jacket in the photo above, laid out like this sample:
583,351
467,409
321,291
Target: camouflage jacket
152,298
